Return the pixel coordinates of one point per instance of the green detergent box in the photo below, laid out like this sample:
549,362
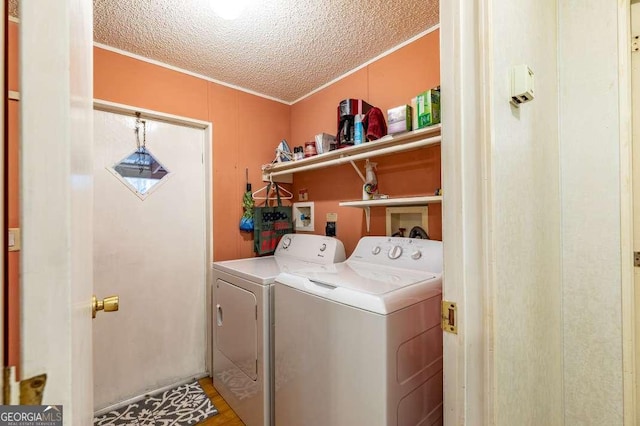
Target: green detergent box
428,107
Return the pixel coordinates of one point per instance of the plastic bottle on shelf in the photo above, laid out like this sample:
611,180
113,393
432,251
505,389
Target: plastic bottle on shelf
370,187
358,137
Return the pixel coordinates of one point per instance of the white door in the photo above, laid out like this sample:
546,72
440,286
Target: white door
56,77
150,251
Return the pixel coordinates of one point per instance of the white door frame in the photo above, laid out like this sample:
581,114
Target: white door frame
56,142
207,126
466,82
3,241
626,213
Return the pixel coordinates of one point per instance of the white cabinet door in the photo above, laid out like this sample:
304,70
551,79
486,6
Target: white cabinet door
237,326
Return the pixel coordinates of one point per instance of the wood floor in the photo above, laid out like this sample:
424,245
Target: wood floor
225,416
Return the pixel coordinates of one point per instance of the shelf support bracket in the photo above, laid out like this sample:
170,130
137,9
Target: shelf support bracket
367,216
359,174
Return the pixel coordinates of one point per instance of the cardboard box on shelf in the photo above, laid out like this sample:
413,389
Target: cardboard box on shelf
399,119
428,108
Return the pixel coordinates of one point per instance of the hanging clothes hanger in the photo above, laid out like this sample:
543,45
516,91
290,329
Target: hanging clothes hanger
284,193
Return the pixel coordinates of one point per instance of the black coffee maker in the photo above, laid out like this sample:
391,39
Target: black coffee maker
347,110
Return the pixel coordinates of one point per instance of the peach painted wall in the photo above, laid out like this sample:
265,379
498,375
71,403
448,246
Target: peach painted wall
388,82
13,264
246,130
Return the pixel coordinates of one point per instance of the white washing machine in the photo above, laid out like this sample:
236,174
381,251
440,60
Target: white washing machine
241,320
359,342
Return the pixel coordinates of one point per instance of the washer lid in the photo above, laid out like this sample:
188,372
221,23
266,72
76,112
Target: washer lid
364,277
362,285
261,270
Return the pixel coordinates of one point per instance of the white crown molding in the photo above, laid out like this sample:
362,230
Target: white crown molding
183,71
369,62
251,92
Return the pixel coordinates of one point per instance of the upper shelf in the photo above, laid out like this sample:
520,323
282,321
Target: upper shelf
383,146
389,202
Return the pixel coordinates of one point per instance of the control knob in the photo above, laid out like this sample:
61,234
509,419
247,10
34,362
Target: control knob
375,250
395,252
323,247
416,255
286,243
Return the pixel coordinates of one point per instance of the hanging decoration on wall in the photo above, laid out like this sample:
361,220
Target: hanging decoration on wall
140,170
246,221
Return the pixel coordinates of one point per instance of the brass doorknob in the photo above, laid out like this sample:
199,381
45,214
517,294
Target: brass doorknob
108,304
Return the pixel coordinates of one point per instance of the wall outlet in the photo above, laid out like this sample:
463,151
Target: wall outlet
303,216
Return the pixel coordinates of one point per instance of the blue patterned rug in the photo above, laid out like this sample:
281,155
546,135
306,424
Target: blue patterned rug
181,406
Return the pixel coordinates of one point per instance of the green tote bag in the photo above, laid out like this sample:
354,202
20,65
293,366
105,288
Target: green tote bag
270,224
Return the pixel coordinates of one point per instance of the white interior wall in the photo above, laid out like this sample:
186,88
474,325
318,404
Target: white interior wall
525,220
590,165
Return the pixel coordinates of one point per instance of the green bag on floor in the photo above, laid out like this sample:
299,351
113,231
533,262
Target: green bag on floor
270,224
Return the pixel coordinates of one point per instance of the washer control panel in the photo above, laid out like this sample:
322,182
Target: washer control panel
395,252
408,253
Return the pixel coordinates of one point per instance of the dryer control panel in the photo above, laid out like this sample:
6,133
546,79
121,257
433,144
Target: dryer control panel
312,248
410,253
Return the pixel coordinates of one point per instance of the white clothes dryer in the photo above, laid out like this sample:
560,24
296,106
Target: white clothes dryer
359,343
241,320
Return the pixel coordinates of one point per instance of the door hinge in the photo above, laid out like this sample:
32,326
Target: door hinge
11,387
449,313
636,258
635,43
7,380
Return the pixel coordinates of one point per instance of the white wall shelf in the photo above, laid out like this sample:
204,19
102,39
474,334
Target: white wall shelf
387,145
384,146
388,202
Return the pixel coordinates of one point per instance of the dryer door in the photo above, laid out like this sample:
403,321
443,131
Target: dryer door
237,327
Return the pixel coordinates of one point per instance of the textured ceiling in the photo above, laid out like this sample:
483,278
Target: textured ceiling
280,48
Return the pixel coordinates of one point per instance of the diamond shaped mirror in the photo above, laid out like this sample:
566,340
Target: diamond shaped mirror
140,171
